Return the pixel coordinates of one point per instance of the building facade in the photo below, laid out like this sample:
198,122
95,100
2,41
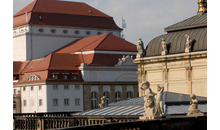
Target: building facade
44,26
178,59
74,77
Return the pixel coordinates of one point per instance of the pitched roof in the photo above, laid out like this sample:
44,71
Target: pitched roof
64,13
106,42
42,67
192,22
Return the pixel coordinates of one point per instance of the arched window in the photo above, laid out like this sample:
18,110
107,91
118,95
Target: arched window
107,95
33,78
118,96
94,100
14,105
129,95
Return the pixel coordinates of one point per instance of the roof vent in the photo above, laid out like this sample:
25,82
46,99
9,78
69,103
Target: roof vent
90,11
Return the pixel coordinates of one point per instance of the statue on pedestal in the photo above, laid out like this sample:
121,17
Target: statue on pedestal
193,109
153,102
103,100
188,43
140,48
164,47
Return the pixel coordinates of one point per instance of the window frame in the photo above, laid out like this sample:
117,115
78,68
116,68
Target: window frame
66,102
57,102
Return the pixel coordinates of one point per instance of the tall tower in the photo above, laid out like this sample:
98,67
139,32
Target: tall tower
44,26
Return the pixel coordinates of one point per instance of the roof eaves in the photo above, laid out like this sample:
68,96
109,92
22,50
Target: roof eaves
185,27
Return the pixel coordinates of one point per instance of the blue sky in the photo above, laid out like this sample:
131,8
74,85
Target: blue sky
144,18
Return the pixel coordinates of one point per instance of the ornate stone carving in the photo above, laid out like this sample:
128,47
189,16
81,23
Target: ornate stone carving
153,101
164,47
140,48
125,61
193,109
188,43
103,102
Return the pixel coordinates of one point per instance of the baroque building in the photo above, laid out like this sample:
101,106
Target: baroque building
178,60
59,67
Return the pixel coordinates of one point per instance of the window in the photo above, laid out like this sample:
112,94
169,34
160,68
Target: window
65,31
56,76
53,31
24,103
88,33
66,87
75,77
77,102
118,96
107,95
65,77
55,87
14,91
41,30
77,32
99,33
55,102
24,88
77,87
40,87
32,88
33,78
66,102
129,95
94,103
14,105
40,102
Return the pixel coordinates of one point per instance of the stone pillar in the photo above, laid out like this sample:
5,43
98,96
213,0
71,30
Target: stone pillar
189,78
100,93
87,97
112,89
135,88
124,92
39,124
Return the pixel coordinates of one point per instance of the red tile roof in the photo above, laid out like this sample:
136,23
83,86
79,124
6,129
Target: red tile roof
104,42
52,62
63,13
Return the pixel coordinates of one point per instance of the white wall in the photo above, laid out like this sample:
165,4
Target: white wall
46,42
103,75
36,94
60,94
19,48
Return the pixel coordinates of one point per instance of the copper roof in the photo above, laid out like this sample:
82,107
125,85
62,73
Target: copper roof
64,13
192,22
177,42
195,27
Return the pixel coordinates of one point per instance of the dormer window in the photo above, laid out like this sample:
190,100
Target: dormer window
88,33
65,77
53,31
75,77
56,76
33,78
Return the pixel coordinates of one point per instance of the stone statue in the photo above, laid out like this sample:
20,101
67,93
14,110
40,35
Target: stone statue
188,43
125,61
103,100
153,102
193,109
158,100
140,48
164,47
148,95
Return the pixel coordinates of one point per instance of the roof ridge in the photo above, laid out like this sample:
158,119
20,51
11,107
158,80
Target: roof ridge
93,41
102,40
